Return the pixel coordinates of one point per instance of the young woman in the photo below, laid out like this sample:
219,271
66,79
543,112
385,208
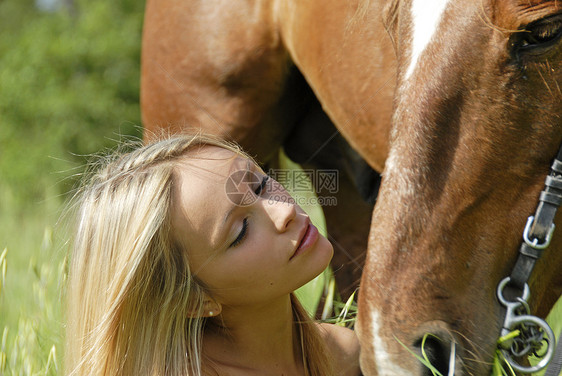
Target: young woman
184,261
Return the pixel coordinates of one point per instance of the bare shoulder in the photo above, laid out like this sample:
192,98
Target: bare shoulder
343,346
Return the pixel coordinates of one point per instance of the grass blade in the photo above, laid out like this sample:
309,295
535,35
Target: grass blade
424,360
452,358
329,304
343,315
3,268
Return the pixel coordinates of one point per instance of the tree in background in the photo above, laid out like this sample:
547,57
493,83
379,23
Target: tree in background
69,86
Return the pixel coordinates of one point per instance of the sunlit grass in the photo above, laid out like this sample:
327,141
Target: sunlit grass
32,346
32,272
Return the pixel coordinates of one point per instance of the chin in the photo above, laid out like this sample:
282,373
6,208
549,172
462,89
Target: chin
325,251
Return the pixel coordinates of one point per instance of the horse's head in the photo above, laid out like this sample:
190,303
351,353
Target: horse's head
476,125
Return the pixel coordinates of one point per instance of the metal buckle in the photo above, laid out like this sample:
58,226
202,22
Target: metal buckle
534,332
535,243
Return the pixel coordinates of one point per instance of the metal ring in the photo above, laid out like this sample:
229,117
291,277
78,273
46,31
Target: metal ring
551,343
504,301
525,305
535,243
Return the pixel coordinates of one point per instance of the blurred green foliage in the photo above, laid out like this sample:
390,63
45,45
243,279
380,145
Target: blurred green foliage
69,87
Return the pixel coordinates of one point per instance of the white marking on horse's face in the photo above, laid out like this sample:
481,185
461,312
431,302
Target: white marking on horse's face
383,359
396,167
426,16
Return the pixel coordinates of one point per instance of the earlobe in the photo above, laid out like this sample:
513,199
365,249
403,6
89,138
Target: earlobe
210,309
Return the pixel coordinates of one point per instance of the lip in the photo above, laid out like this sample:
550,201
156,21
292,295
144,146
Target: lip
307,238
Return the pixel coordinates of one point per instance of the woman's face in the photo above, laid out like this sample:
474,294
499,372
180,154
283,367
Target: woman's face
248,241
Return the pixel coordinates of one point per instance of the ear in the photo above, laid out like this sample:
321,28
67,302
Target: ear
210,308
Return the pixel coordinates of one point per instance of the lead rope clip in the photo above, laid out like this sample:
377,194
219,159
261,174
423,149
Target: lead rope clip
534,333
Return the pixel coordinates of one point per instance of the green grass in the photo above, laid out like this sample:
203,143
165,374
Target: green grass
32,271
554,319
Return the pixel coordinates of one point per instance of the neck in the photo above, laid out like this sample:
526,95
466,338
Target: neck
261,337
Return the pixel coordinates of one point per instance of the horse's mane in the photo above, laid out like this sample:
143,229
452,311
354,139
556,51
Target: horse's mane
362,9
390,12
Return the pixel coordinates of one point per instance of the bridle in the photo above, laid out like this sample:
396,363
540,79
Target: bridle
522,333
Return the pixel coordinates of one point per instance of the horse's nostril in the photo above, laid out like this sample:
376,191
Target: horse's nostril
437,352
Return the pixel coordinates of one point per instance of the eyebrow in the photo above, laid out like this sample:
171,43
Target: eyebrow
228,214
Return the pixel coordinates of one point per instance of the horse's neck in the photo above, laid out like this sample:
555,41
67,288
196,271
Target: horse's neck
347,57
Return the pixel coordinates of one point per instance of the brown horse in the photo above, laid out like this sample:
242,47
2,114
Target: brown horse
476,126
463,98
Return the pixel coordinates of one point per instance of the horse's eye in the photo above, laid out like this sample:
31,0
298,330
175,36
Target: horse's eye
539,35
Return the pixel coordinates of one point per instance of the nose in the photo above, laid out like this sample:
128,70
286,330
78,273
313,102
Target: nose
281,212
439,349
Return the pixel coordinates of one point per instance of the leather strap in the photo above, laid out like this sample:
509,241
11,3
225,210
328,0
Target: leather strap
536,236
549,201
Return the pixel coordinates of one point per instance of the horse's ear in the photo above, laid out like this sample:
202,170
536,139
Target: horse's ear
210,308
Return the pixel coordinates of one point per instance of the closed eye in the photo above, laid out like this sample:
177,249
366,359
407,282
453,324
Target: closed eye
241,234
244,231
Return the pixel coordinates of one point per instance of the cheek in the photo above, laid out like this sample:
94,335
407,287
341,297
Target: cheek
326,244
242,267
248,283
326,250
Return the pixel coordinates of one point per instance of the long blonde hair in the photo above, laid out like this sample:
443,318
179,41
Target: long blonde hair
131,295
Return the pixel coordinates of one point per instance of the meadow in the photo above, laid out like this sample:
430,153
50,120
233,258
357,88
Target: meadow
69,87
